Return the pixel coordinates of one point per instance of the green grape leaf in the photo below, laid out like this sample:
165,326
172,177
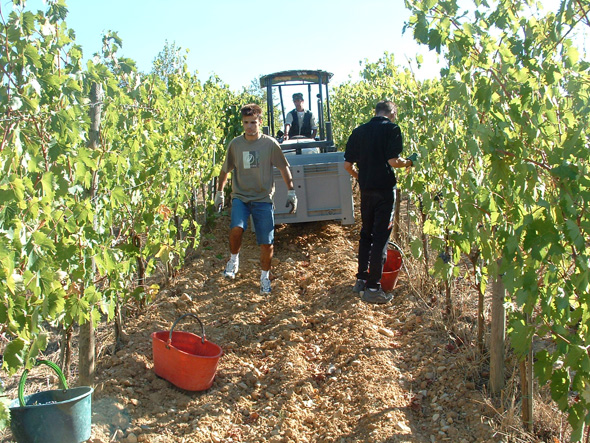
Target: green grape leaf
119,196
521,335
560,387
543,366
4,410
15,355
574,234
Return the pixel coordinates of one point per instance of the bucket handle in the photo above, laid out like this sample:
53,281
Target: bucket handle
396,246
23,378
180,318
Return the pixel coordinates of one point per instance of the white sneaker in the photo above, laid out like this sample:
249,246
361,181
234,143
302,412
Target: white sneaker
231,269
265,285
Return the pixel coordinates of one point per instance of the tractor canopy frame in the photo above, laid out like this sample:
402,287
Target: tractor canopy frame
323,186
317,83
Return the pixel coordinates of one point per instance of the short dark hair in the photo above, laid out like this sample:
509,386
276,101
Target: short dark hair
251,109
386,107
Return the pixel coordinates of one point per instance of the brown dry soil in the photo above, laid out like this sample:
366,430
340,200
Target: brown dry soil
309,363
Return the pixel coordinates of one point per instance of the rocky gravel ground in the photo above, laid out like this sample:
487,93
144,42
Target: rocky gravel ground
309,363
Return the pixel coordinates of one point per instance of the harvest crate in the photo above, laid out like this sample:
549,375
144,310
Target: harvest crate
324,190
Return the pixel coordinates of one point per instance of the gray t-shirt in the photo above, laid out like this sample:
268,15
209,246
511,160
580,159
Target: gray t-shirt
250,163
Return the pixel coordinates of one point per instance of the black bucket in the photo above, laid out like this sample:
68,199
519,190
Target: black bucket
59,416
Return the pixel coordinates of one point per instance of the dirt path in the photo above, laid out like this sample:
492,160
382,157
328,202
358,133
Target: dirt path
309,363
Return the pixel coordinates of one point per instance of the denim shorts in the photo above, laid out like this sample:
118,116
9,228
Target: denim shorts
262,215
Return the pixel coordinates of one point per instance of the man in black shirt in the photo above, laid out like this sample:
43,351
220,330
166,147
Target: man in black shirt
375,147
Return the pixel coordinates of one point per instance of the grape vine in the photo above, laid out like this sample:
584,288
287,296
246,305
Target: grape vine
82,225
502,178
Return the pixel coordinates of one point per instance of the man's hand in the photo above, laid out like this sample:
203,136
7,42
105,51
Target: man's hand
291,200
413,158
219,200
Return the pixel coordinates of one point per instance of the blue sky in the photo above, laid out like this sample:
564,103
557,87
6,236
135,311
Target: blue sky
241,40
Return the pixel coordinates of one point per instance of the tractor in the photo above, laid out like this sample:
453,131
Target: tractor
323,186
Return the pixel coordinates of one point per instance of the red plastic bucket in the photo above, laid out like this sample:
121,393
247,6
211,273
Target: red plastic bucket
185,359
393,264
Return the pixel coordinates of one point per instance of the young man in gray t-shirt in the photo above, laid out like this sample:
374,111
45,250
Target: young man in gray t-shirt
250,159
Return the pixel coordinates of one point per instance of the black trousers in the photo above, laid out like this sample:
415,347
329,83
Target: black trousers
377,220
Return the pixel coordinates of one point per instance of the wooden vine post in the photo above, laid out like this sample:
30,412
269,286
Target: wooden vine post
396,220
473,257
498,335
423,218
87,341
526,382
448,295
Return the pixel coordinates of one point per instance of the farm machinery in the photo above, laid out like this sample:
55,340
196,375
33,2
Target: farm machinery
323,186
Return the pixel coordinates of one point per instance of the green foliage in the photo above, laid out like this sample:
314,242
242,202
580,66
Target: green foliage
4,409
503,143
502,139
516,179
79,222
169,61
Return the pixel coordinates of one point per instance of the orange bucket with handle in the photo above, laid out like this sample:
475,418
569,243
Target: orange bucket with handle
391,268
186,360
